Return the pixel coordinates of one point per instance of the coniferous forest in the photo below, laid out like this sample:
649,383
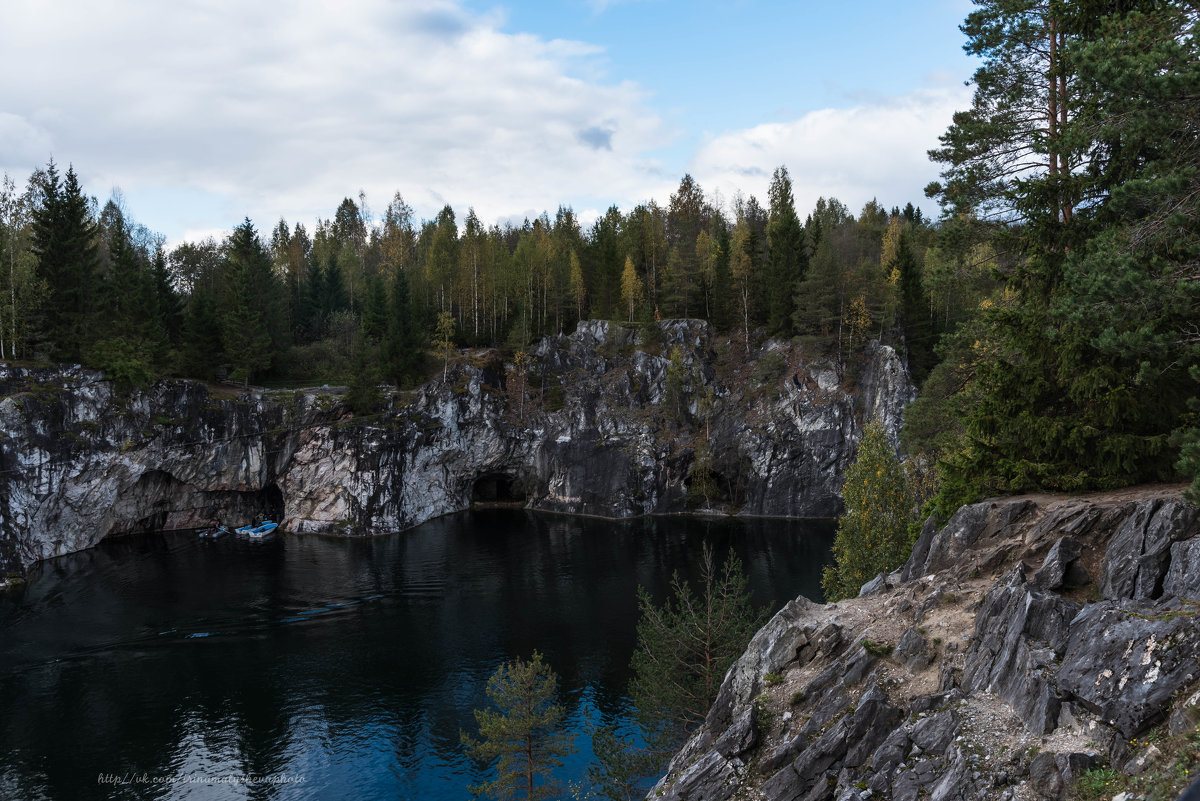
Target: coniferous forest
1050,312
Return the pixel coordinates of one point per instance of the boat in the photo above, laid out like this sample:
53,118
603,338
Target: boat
214,531
260,530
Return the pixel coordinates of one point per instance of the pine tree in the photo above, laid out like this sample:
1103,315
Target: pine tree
1082,366
253,324
523,736
872,534
685,647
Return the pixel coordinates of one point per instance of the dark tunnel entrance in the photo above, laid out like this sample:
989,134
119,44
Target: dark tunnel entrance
497,489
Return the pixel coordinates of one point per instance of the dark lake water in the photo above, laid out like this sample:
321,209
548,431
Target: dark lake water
167,666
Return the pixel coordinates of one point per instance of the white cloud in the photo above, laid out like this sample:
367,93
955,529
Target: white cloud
287,108
854,154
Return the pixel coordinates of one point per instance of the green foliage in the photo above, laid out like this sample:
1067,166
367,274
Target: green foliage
701,483
127,363
401,354
787,258
768,370
872,534
685,647
676,388
1082,370
443,341
64,241
363,395
522,736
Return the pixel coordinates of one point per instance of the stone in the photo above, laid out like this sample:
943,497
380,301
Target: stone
1141,761
874,586
934,734
905,786
773,647
1138,554
740,737
1054,571
1185,716
1014,650
1183,572
1125,661
711,777
912,650
86,463
1045,776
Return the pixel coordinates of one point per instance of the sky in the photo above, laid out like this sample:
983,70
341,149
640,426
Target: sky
204,112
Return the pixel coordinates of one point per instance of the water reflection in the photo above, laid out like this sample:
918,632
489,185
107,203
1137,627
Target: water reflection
347,667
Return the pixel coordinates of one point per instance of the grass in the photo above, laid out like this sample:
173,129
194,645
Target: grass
877,648
1162,780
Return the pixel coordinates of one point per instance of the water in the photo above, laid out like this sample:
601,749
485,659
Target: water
169,667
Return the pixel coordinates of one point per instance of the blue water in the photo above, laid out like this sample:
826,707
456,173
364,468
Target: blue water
169,667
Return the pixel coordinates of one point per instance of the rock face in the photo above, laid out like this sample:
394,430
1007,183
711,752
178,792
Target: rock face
605,422
1033,638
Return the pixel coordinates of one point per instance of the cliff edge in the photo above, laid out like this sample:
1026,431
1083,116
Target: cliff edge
1026,641
608,421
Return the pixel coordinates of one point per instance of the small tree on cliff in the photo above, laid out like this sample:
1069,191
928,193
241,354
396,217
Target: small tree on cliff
523,734
872,535
684,648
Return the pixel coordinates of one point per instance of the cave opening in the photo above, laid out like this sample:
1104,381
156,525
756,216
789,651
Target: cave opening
497,489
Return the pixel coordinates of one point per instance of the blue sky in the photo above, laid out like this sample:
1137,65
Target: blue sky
203,112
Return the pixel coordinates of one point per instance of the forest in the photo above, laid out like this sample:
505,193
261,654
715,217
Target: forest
1050,312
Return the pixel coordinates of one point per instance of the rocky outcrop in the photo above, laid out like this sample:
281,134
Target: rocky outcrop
606,421
1026,641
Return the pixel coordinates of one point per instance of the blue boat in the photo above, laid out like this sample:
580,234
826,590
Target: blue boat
261,530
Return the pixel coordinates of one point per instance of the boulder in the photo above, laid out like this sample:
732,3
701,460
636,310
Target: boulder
1125,661
1138,555
1055,569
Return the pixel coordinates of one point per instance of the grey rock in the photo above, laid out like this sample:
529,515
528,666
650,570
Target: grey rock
926,703
912,650
970,528
1013,651
81,463
1183,573
711,778
739,737
1054,571
774,646
905,787
934,734
874,586
1185,716
1045,776
1136,561
1125,661
1140,762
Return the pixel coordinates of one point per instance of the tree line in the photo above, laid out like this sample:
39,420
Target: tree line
89,284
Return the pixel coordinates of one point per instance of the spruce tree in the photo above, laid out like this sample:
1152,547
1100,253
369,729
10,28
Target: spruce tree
787,260
1081,372
402,353
64,240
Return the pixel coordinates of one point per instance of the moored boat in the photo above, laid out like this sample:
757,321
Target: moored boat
260,530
